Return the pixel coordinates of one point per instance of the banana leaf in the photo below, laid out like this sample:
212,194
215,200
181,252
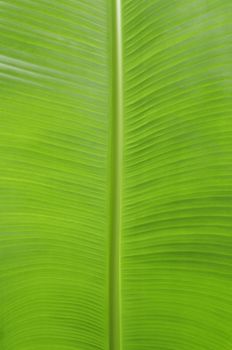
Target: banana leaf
116,175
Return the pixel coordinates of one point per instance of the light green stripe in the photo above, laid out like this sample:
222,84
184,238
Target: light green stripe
116,176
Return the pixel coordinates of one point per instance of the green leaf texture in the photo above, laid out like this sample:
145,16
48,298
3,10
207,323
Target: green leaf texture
177,232
116,175
54,175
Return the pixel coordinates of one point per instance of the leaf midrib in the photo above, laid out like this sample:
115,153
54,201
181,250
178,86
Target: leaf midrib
116,180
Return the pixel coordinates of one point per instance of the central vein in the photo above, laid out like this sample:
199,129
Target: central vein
116,183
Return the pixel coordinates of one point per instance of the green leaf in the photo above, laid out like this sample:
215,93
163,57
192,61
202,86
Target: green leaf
116,175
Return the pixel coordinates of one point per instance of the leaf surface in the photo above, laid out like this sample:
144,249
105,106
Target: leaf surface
177,243
115,183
